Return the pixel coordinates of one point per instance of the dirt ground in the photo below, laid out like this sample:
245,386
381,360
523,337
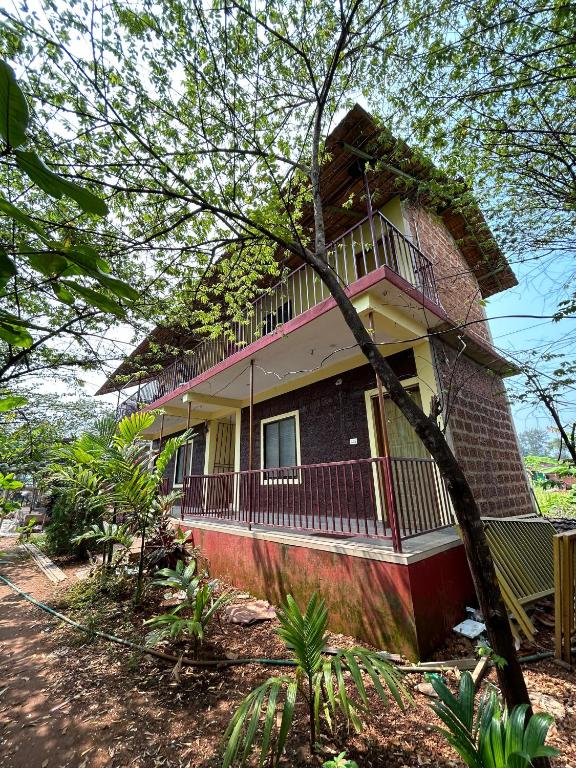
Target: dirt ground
68,701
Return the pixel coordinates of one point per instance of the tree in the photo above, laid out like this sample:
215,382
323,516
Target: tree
534,442
54,284
491,89
39,425
215,123
548,384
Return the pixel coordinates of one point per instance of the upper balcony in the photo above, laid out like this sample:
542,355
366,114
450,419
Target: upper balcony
373,244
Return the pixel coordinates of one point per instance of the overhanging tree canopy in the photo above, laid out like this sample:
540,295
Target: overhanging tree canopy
210,124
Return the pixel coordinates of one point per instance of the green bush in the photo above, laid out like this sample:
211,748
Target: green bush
68,519
555,503
491,738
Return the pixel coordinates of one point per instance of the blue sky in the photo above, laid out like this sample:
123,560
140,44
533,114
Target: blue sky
541,286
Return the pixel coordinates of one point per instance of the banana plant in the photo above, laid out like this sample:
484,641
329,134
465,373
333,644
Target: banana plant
491,738
319,680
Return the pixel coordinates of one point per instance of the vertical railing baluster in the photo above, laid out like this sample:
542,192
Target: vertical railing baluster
324,498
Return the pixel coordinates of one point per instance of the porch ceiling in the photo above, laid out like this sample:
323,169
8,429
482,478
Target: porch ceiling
321,347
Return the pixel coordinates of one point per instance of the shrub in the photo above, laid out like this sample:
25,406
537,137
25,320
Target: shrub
191,618
182,578
68,519
165,547
340,761
555,503
174,626
492,738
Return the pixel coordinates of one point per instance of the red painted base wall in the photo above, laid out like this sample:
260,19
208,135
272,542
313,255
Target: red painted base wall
400,608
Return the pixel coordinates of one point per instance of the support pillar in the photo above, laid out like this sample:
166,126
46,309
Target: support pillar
185,471
389,500
251,445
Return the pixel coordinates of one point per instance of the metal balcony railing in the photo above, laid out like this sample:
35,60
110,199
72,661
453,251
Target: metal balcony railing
371,244
390,498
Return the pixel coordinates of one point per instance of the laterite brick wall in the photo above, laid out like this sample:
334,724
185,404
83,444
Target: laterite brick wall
457,285
482,432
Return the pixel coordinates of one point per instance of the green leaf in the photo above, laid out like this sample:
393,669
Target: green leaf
46,262
11,402
87,259
119,287
130,428
95,298
56,185
269,719
14,331
287,717
356,674
253,724
7,266
62,293
22,218
14,115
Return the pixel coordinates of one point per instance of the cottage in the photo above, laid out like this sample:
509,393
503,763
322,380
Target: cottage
301,474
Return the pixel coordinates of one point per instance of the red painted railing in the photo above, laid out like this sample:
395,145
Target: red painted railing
388,498
370,244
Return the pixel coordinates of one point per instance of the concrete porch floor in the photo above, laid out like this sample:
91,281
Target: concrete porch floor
355,545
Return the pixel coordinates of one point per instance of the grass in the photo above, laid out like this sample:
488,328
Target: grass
555,503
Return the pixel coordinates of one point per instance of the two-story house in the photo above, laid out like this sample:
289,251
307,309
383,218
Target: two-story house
301,473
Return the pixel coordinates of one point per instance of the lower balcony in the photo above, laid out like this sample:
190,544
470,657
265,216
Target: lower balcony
386,498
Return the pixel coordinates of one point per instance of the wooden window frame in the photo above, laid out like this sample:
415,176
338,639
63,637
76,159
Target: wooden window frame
297,479
190,444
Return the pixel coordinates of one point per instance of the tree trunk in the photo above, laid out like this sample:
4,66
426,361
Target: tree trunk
492,605
138,593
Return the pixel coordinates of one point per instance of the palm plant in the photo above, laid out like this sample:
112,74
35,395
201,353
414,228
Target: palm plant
108,534
182,578
203,606
491,738
111,467
319,679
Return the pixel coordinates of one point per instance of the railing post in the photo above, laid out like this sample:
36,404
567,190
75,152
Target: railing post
186,468
391,504
250,445
371,220
388,497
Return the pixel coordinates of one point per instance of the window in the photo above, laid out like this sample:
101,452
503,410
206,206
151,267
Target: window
179,472
280,447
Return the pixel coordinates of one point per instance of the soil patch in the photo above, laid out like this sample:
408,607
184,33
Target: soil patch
68,701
